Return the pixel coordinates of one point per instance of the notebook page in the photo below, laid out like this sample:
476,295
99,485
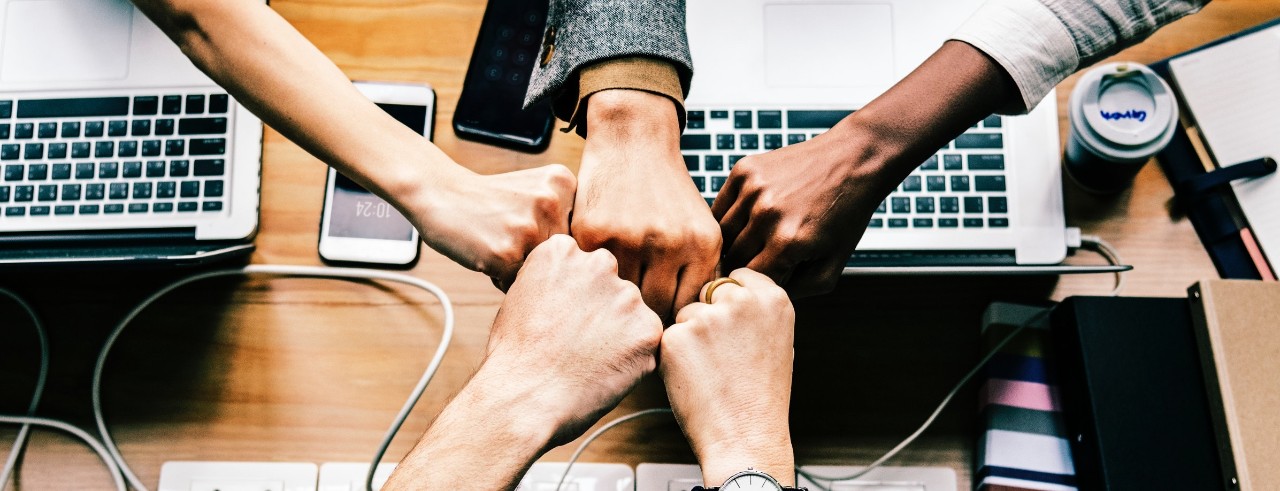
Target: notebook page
1233,91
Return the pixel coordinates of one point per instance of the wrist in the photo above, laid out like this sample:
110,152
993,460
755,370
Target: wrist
626,116
523,406
773,457
873,153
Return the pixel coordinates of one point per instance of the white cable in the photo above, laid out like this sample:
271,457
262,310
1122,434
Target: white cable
280,270
20,443
79,433
596,434
1095,243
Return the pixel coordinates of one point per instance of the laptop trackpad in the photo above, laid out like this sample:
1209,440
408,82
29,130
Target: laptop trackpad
66,40
828,45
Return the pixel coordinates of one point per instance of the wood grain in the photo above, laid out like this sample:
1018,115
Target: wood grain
308,370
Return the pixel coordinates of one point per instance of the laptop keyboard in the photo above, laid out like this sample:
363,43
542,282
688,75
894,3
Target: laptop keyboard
103,156
961,186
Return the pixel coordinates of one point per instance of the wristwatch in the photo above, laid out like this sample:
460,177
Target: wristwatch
750,480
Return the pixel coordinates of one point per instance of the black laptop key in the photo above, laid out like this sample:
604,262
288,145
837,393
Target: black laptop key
164,127
39,210
691,162
719,114
104,149
118,127
202,126
119,190
155,168
64,210
972,223
9,151
952,162
901,205
714,162
113,208
742,119
37,172
980,140
141,190
725,142
693,119
998,204
772,141
936,183
47,192
132,169
211,206
992,121
924,205
930,164
195,104
108,170
15,211
959,183
749,142
876,223
47,130
71,129
80,150
141,127
175,148
166,189
24,131
84,170
190,189
884,205
162,207
4,131
94,191
911,183
815,119
128,148
89,209
717,182
71,192
58,150
998,222
897,223
179,168
6,109
13,172
795,138
61,172
769,119
986,162
700,183
213,188
218,103
4,194
988,183
973,204
73,108
138,207
949,204
208,146
24,193
145,105
948,222
171,104
33,151
695,142
93,129
151,148
188,206
922,223
209,167
733,160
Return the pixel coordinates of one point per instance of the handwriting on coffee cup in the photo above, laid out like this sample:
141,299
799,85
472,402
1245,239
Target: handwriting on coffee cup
1130,114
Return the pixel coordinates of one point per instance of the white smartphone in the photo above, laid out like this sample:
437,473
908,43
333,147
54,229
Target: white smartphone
357,226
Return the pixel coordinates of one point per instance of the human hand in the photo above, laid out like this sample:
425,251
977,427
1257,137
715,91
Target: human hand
727,368
798,212
635,199
573,335
489,223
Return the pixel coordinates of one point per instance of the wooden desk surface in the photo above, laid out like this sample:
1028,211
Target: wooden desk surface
313,371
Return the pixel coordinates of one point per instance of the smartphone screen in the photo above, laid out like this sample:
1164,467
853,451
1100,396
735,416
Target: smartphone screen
491,105
357,213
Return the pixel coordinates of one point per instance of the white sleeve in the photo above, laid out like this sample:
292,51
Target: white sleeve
1041,42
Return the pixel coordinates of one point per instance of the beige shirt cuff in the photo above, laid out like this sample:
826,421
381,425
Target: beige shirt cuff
634,73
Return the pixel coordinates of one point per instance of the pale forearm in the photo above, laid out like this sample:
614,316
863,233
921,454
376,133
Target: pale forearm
274,71
486,438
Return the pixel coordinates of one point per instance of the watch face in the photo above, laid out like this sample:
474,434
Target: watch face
751,481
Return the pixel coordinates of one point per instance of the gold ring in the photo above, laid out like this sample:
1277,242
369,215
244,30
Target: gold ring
711,286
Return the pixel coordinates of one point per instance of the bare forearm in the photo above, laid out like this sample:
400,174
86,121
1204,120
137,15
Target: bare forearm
274,71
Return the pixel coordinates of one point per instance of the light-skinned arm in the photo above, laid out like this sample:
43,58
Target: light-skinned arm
570,340
486,223
635,198
727,368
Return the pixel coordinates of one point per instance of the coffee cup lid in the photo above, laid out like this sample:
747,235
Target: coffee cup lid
1123,110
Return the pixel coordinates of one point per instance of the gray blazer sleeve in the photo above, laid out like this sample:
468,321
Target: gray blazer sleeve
582,32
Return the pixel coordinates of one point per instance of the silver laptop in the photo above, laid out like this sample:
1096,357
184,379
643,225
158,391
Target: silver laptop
113,146
772,73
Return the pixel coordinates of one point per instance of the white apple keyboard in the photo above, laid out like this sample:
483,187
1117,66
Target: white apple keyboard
350,476
683,477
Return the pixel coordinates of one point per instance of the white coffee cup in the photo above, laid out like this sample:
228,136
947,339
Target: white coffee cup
1121,114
